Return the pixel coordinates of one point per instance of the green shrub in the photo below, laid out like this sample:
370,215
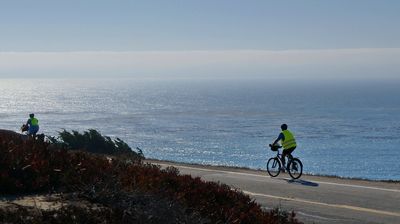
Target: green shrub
92,141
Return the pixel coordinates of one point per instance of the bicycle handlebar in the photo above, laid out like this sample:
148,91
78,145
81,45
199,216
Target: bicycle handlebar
278,146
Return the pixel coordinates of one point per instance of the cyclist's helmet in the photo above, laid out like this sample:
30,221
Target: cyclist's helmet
284,127
31,115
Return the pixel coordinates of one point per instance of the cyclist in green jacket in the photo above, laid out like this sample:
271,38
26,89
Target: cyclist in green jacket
288,143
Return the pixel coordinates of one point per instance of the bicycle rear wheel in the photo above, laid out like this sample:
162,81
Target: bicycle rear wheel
295,168
273,167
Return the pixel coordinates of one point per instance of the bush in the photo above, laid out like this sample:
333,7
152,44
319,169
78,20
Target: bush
92,141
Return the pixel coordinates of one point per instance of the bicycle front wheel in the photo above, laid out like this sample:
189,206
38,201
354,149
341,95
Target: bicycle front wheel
295,168
273,167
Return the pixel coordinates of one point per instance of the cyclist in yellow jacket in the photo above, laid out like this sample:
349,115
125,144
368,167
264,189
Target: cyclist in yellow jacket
288,143
33,124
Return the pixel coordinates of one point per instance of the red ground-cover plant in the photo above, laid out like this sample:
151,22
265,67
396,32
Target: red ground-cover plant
31,167
217,201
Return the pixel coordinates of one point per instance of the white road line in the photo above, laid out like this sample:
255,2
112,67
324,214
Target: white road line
307,215
358,186
265,176
360,209
316,216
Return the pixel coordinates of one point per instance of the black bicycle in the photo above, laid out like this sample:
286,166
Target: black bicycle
275,164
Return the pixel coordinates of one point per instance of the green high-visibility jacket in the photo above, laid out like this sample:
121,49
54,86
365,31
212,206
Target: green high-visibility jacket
289,141
34,122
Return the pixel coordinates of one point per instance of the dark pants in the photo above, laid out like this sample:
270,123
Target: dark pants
287,152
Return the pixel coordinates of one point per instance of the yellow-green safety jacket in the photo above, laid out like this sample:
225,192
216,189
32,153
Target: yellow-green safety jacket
289,141
34,122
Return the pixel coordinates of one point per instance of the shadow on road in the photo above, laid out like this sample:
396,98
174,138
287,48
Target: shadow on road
302,182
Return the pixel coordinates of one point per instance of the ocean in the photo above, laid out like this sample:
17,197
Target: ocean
348,129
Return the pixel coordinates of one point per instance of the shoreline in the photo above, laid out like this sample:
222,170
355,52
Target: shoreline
264,172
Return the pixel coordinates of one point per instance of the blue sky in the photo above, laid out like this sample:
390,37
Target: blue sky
215,27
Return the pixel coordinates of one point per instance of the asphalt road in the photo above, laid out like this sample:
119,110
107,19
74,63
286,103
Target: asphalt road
315,199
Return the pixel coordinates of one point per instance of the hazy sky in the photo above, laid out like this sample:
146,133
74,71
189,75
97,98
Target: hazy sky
225,38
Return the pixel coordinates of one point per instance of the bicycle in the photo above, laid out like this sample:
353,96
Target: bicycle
274,164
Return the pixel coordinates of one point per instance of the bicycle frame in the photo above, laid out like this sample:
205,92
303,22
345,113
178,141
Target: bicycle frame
279,156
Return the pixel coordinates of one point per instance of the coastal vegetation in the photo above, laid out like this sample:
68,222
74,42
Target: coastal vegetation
92,141
98,179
